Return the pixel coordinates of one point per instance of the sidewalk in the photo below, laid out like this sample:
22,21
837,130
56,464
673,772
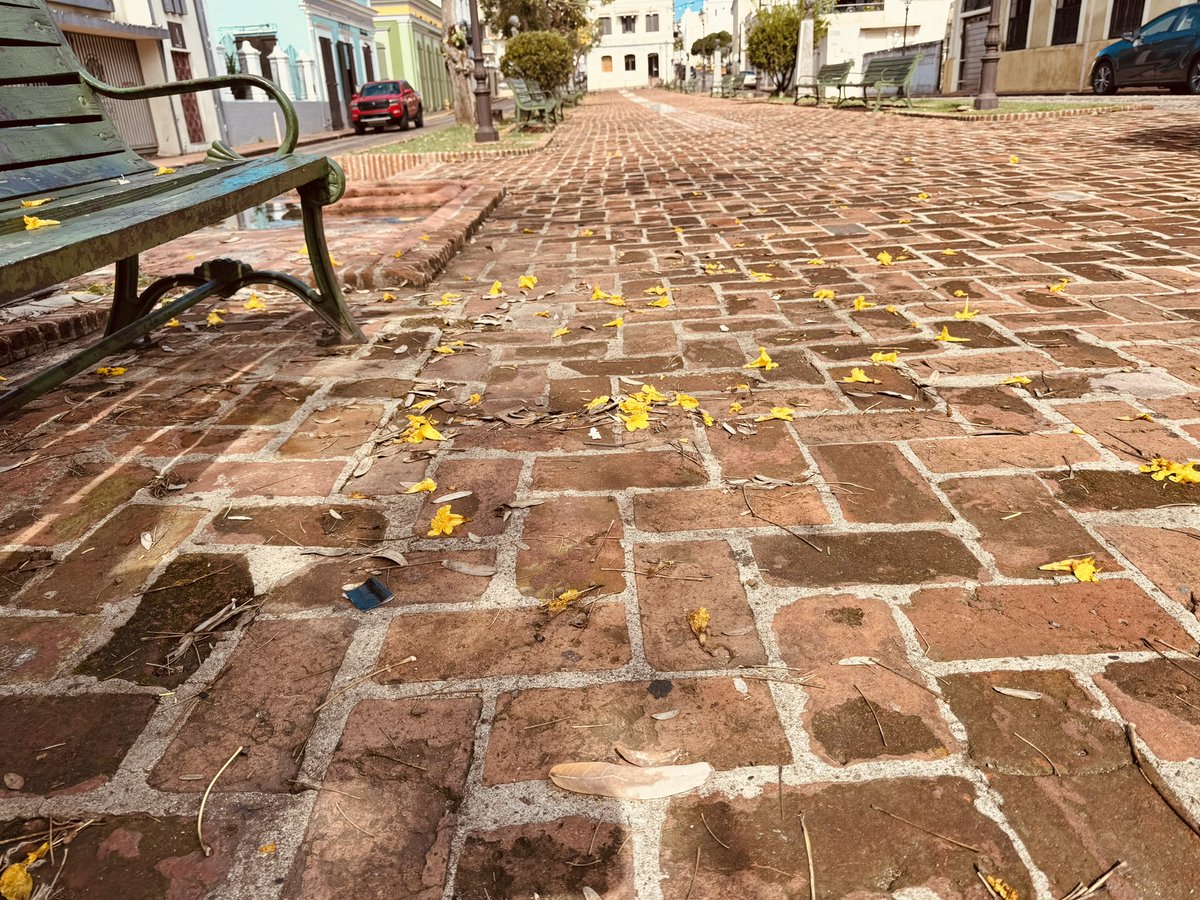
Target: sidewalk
841,458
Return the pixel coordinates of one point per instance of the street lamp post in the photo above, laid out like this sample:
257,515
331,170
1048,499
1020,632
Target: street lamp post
485,131
904,40
990,62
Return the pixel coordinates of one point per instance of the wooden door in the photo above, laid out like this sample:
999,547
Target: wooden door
971,60
331,86
191,106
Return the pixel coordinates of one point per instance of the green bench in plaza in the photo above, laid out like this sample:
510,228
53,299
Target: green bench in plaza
62,161
830,75
530,100
895,73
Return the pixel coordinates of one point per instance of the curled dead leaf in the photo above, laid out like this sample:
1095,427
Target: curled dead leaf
646,758
629,782
464,568
1018,693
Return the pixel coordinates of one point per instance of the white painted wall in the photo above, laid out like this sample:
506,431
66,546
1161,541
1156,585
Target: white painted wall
853,33
640,44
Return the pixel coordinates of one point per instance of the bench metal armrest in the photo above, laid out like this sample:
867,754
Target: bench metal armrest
209,84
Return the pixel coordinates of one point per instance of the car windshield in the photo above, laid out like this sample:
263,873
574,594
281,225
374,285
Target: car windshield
380,89
1158,26
1188,20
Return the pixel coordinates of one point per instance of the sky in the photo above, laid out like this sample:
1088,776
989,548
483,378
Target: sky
681,5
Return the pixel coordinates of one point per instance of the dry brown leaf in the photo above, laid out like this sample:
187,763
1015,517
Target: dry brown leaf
1018,693
629,782
464,568
645,758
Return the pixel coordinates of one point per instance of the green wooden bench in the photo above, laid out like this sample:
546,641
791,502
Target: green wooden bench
530,105
880,74
726,87
830,75
57,141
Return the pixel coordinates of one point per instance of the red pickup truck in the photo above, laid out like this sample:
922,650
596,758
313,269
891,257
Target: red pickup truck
383,103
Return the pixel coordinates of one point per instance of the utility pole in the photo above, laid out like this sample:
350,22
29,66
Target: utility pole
904,40
485,131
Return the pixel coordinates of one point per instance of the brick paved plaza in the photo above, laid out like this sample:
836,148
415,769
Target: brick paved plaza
887,673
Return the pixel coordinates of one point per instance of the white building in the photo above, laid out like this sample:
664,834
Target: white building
636,44
858,28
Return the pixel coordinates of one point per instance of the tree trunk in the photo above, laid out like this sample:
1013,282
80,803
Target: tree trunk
462,69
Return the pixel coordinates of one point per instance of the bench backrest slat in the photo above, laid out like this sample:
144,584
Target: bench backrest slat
54,130
889,69
834,73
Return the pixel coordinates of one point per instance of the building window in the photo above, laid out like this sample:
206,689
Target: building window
652,21
177,39
1018,25
605,25
606,64
652,65
1066,22
630,63
175,7
973,5
628,24
1126,16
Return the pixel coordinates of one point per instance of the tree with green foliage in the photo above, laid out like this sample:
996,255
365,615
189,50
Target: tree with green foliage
563,16
709,45
774,37
541,56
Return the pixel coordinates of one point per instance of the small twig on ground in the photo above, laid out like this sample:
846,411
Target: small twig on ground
183,584
874,716
695,869
812,871
710,831
779,786
592,843
355,825
359,680
1079,892
204,800
1154,780
660,575
1041,753
1187,672
794,534
603,540
943,837
987,885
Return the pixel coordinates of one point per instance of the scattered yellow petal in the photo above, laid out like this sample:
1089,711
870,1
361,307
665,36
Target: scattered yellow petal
496,289
34,204
111,370
908,159
858,376
657,290
824,294
635,420
424,486
268,849
783,413
388,297
891,309
966,312
563,600
698,621
761,276
921,196
1163,469
961,294
816,262
450,296
214,319
904,221
333,261
735,408
255,302
949,252
420,429
948,337
475,399
678,230
596,402
685,400
587,232
861,303
397,254
444,521
1013,160
561,331
708,420
444,349
649,394
174,323
165,170
598,294
634,404
1016,380
527,282
614,323
999,886
32,222
424,237
615,300
1058,286
881,357
660,303
1083,569
742,387
763,361
15,881
884,258
358,495
543,314
1144,416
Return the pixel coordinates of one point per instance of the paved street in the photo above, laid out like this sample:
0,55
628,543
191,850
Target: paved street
766,469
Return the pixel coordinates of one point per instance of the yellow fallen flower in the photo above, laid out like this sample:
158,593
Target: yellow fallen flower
884,258
687,401
763,361
598,294
861,303
1083,569
527,282
444,521
559,332
881,357
165,170
782,413
424,486
948,337
858,376
614,323
420,429
635,420
32,222
596,402
255,302
824,294
1016,380
214,318
496,289
111,370
661,303
34,204
966,312
1163,469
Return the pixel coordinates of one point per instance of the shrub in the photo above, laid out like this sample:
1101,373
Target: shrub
772,39
541,56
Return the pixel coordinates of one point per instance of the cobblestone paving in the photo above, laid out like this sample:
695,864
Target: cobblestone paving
897,522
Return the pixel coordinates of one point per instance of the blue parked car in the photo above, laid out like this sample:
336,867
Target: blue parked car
1165,52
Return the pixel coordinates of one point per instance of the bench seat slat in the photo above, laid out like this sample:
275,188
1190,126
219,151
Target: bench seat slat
27,25
37,181
43,144
20,65
33,259
36,104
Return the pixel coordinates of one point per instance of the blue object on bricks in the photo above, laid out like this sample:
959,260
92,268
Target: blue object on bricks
370,594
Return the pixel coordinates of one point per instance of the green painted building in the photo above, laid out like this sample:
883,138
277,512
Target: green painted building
409,39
